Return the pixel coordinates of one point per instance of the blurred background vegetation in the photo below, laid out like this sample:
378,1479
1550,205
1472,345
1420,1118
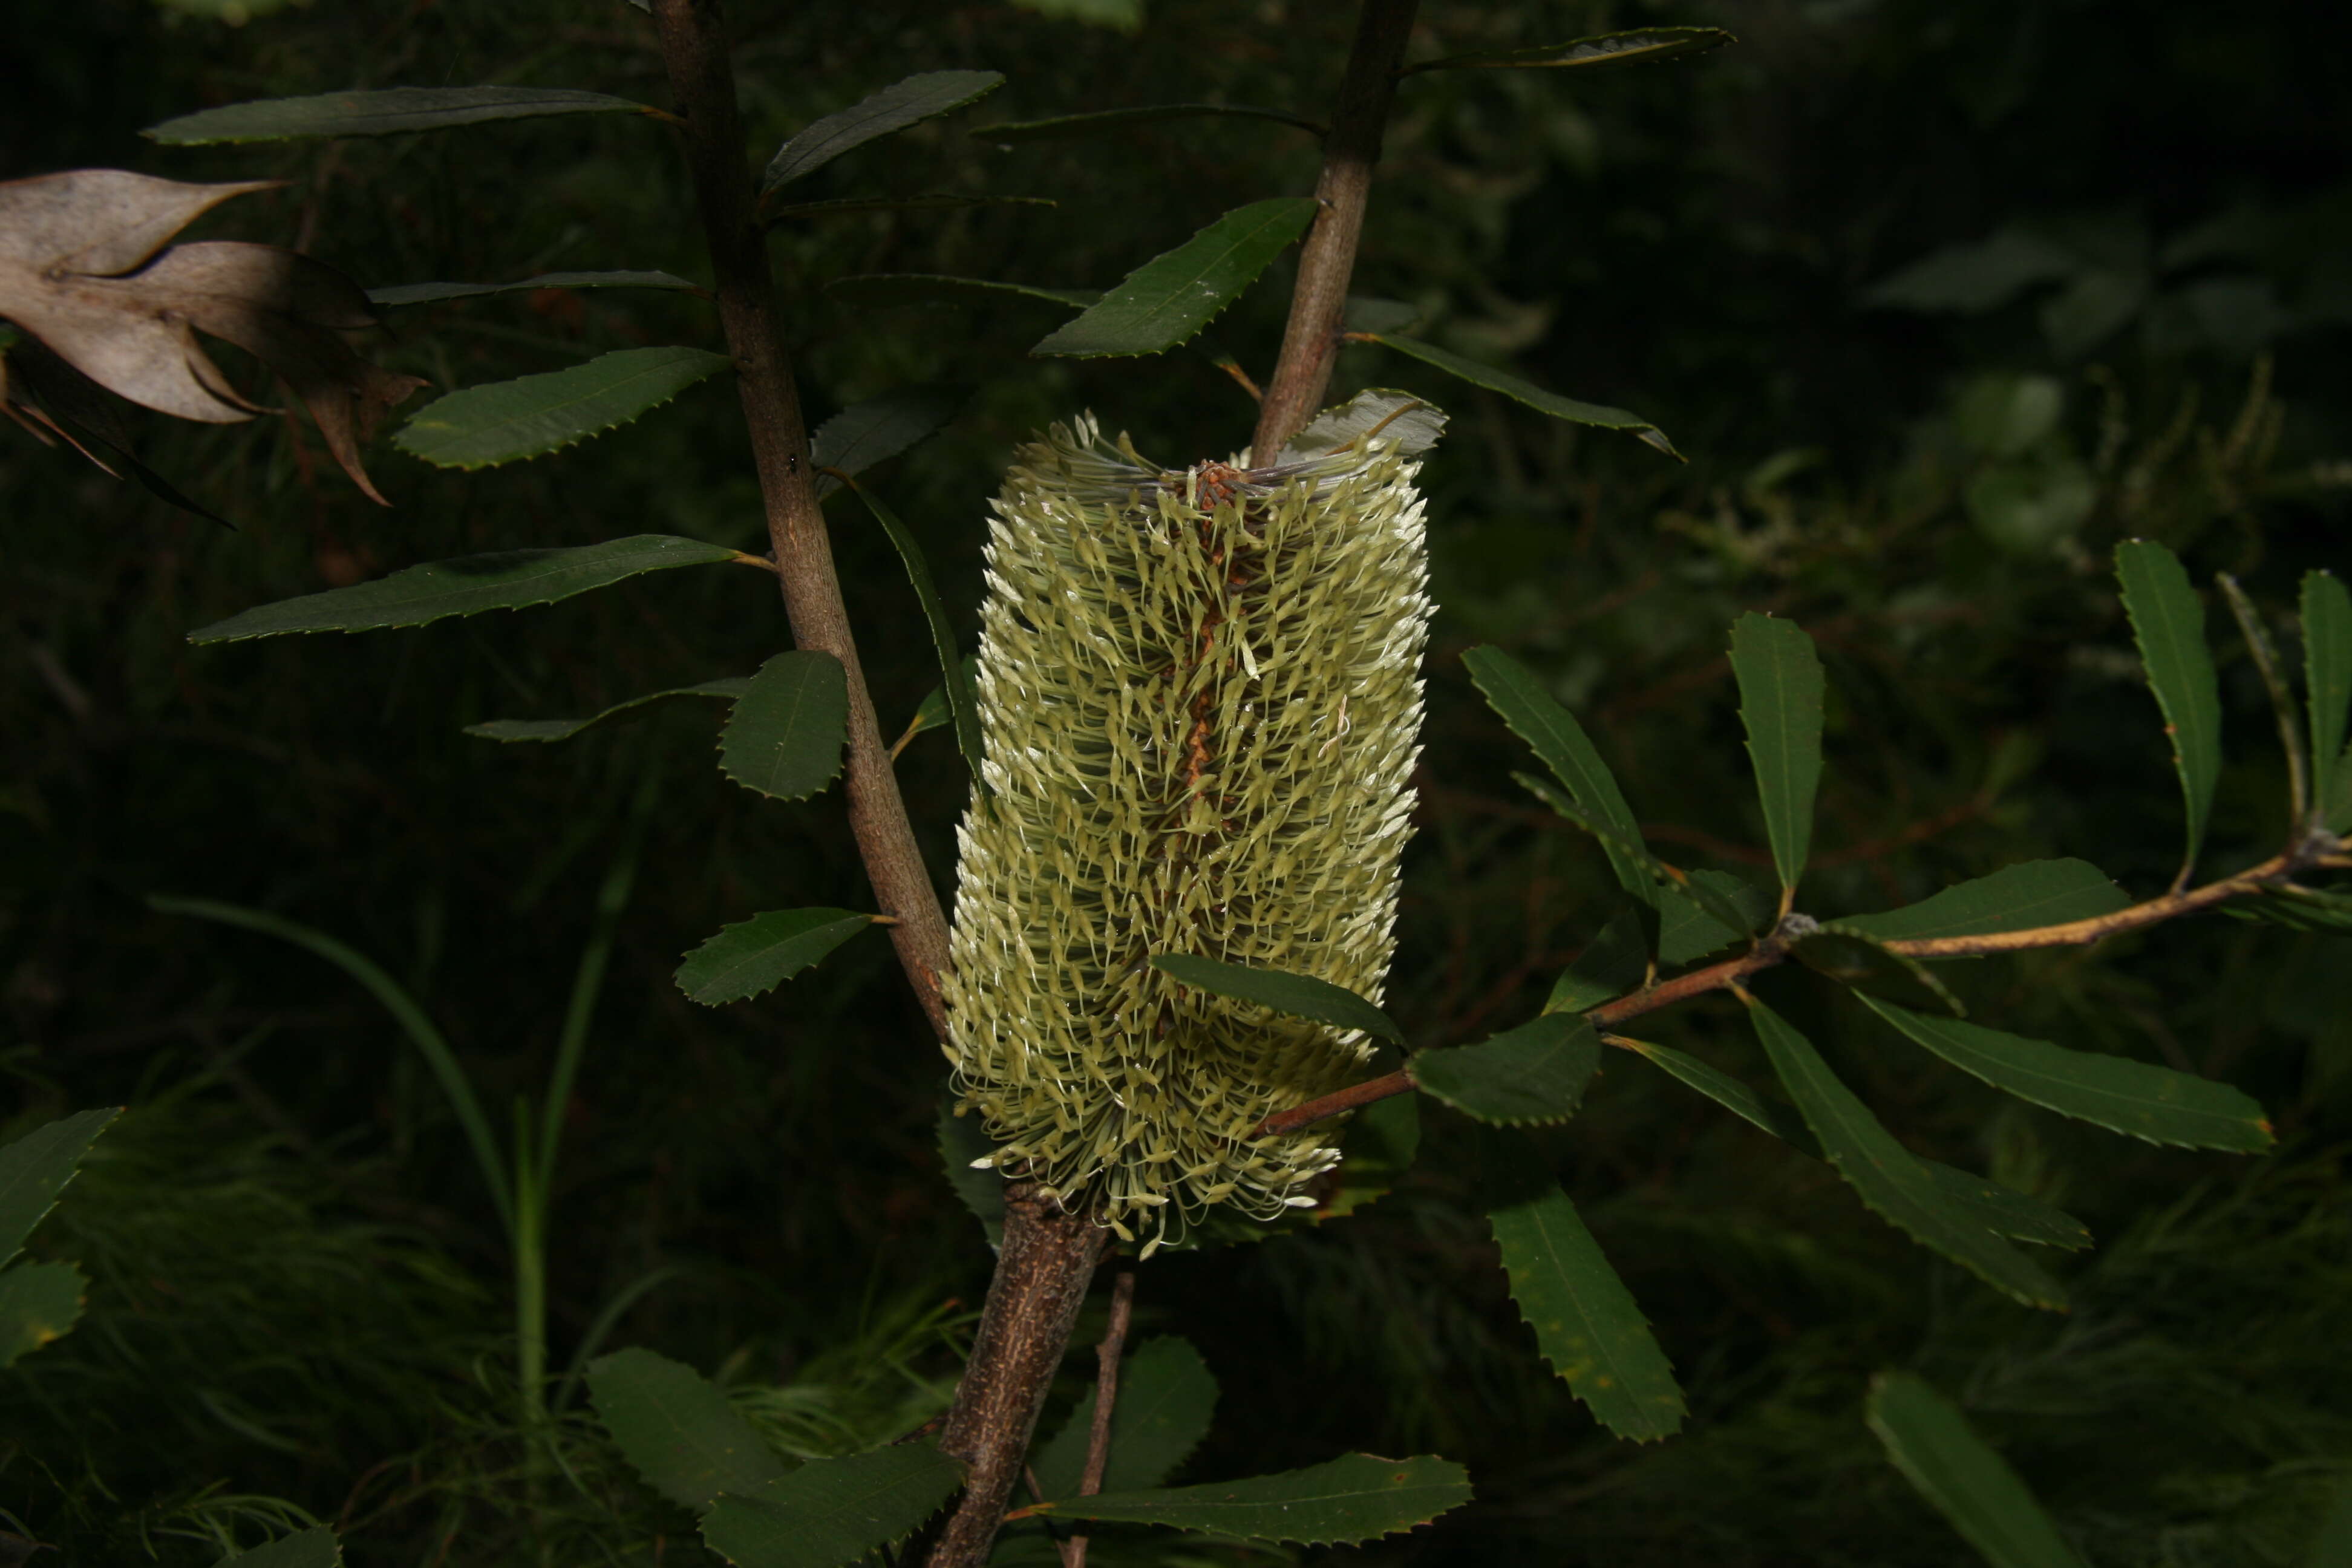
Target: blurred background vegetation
1941,302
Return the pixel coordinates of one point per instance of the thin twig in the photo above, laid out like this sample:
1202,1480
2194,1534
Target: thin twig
1106,1354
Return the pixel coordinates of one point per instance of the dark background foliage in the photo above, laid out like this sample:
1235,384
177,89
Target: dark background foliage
2137,298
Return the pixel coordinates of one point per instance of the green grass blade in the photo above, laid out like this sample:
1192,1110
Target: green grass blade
2015,898
1647,45
507,580
1533,1074
1587,1323
1299,995
388,111
1781,702
1893,1182
963,700
1172,296
2170,626
1930,1440
863,434
36,1168
1536,717
588,979
396,1000
910,101
535,415
832,1512
729,688
2135,1098
39,1303
676,1429
1478,374
757,955
1357,1497
401,294
1067,125
784,737
1166,1398
2327,679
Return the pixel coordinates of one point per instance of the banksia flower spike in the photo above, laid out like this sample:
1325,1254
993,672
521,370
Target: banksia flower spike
1200,703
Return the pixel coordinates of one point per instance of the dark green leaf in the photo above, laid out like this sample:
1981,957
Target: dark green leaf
1611,964
384,112
1671,883
784,738
1969,1484
1587,1324
425,293
2171,625
1378,414
1968,280
1380,1144
1299,995
883,291
924,96
1780,1120
1364,313
2005,1211
963,1140
2327,679
39,1301
535,414
1780,695
863,434
1358,1497
754,956
1687,932
1536,718
1166,1395
676,1429
1647,45
1119,118
313,1548
832,1512
1119,16
1893,1182
2296,908
933,712
926,202
729,689
1174,295
963,700
1487,376
2151,1102
2015,898
509,580
1535,1073
36,1168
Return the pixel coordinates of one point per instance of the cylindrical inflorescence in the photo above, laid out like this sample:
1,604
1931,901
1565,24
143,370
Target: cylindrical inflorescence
1200,703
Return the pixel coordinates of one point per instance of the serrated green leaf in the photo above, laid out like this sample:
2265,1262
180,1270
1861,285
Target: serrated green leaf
1587,1324
2327,682
1611,964
1647,45
863,434
1535,1073
729,688
1166,1398
507,580
963,1140
387,112
2136,1098
37,1167
1360,1497
1858,959
1536,717
2005,1211
2015,898
676,1429
832,1512
964,697
1067,125
1892,1180
1687,932
784,737
39,1301
1170,298
2169,624
754,956
530,415
1960,1474
884,290
1478,374
923,96
1780,699
924,201
427,293
1299,995
313,1548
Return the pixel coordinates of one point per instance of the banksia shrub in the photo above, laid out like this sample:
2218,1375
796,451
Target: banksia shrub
1200,702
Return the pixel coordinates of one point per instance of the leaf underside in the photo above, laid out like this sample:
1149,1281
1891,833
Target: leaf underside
386,111
400,294
923,96
1478,374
